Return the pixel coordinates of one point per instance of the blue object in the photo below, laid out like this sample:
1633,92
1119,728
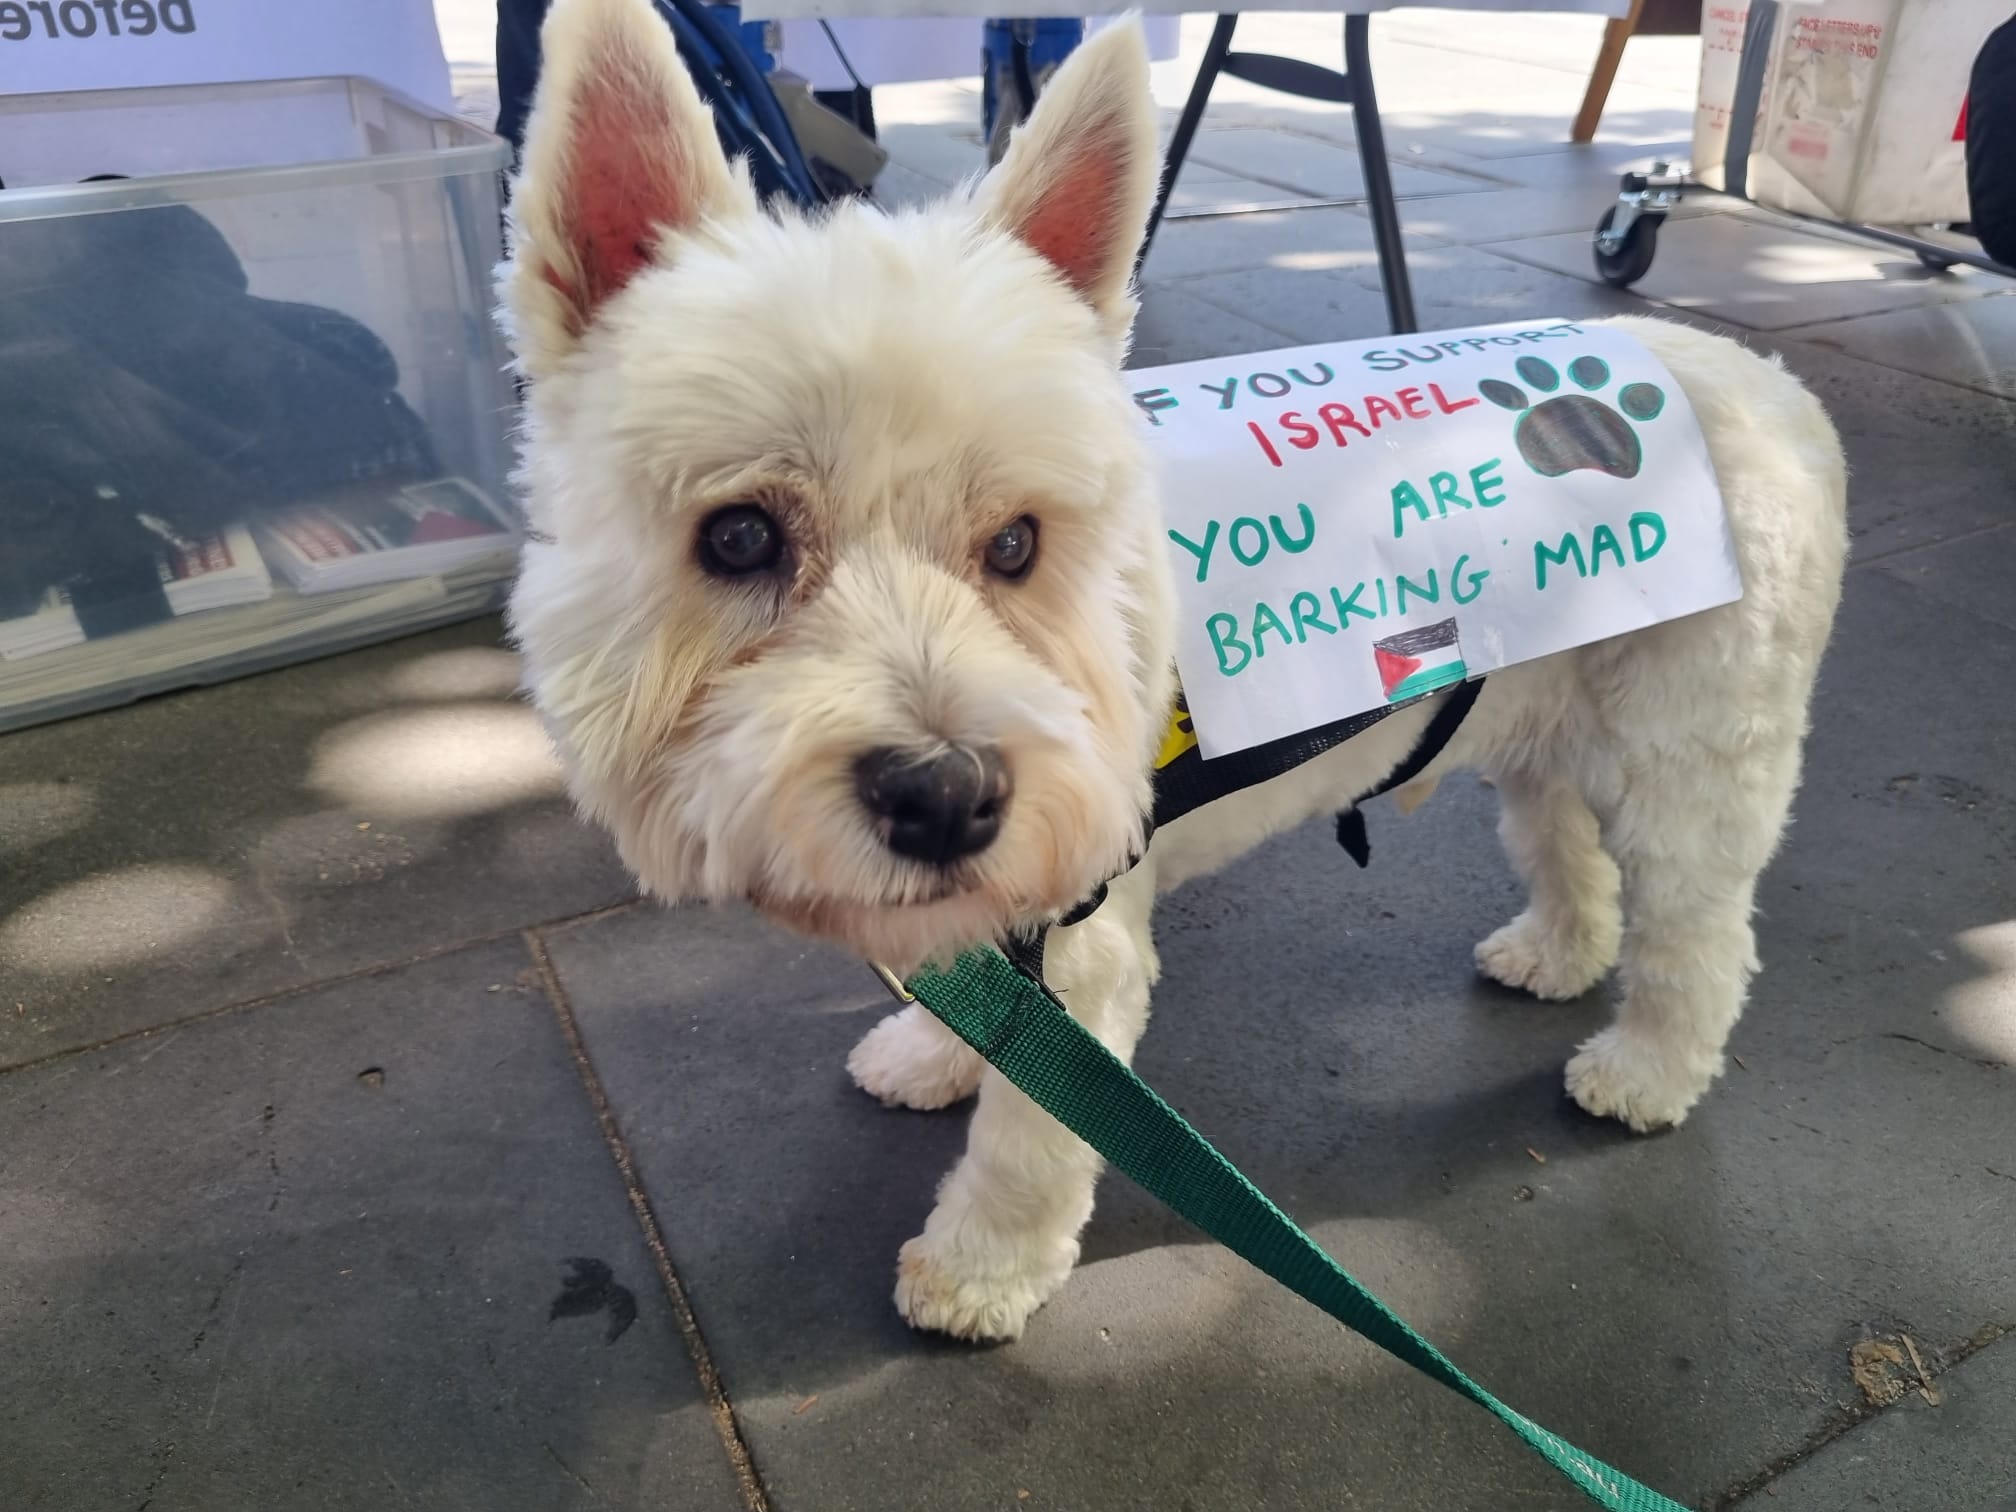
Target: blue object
1016,56
750,122
730,61
753,35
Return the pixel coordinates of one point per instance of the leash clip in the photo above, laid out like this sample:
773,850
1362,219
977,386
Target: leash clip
893,982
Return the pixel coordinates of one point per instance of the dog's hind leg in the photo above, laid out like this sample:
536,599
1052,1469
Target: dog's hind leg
1567,938
1690,833
910,1060
1004,1234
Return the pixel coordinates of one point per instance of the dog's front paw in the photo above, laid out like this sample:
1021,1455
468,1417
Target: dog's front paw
1549,963
1636,1080
980,1293
910,1060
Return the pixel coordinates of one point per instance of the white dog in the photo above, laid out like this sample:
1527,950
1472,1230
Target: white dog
847,597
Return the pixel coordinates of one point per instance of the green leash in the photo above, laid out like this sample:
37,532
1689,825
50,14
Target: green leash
1013,1020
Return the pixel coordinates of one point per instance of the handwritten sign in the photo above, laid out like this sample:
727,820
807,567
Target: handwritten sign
1360,523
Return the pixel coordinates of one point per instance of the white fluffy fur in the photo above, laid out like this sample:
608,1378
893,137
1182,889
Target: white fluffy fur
896,390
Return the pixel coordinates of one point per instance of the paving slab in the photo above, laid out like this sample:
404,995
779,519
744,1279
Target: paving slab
1269,238
1967,341
1683,1304
193,851
1176,326
307,1257
790,1206
1589,167
1927,462
1464,82
1539,44
1323,295
1766,274
1923,491
897,185
1202,187
1974,573
946,155
953,103
1534,123
1500,214
1955,1456
1313,167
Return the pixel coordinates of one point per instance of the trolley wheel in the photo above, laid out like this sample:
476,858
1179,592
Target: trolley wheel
1633,260
1936,264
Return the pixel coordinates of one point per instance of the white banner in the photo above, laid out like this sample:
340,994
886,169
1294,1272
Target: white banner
1359,523
898,52
757,10
122,44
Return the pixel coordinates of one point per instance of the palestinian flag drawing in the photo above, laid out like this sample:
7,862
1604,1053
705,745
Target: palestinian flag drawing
1419,661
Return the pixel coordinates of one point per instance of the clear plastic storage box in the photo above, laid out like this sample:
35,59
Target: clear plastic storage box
252,405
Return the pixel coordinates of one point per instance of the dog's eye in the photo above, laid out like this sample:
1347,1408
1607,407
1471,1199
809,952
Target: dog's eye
1013,548
738,540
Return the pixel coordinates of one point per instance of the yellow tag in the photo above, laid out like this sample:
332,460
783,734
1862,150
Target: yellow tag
1181,736
1416,793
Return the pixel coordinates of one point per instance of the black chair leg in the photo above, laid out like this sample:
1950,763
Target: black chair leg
1355,84
1379,201
1186,126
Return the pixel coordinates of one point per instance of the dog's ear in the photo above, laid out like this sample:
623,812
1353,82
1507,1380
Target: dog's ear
619,151
1080,173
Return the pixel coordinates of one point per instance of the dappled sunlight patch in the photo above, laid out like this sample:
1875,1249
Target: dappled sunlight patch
1802,261
1157,1305
931,103
1982,1012
472,672
34,813
116,919
1324,260
438,761
863,1393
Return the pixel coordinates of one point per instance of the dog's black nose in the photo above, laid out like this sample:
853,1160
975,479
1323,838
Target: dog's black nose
937,807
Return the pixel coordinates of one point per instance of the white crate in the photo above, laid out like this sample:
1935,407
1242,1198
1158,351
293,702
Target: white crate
1861,114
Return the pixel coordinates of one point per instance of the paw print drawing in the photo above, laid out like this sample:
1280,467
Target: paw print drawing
1574,431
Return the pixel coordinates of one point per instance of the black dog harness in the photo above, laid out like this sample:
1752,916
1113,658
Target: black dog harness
1184,780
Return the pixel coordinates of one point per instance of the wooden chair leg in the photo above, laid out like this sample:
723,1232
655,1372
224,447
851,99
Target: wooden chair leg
1604,74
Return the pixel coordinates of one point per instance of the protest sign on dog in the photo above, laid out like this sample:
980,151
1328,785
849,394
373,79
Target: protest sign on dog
1359,523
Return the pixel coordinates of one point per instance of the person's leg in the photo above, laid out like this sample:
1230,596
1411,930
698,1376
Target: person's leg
518,23
1018,57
